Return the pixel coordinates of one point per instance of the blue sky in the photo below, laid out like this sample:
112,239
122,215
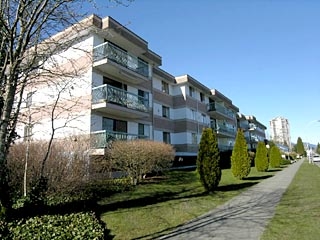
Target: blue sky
262,54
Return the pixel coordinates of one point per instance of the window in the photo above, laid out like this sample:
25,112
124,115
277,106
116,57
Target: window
166,137
114,125
165,87
202,98
165,112
27,132
194,138
193,112
29,99
143,130
140,129
143,98
203,118
191,92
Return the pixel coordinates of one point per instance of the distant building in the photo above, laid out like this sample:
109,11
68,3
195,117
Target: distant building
254,131
280,131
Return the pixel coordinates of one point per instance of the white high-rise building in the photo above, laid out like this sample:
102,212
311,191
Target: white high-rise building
280,131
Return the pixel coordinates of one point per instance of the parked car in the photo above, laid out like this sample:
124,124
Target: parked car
316,158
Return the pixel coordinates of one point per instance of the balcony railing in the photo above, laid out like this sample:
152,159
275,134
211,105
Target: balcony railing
223,129
119,56
223,147
220,108
101,139
121,97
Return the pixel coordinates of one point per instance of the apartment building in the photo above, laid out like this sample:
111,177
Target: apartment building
253,130
280,131
120,92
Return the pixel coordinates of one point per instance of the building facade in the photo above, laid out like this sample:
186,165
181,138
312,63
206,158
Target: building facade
280,131
118,91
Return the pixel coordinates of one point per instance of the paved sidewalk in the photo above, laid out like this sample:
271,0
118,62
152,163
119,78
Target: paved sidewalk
243,217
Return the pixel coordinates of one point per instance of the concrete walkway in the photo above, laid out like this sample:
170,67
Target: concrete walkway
243,217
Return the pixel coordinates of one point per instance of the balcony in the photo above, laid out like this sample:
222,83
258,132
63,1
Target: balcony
223,147
118,102
101,139
109,58
219,111
224,130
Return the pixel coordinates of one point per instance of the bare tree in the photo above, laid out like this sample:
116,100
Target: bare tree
32,31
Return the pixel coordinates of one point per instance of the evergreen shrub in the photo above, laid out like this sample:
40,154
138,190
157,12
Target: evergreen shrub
275,157
261,159
208,165
240,160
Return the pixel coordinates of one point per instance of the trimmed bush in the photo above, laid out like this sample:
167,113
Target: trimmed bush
71,226
208,159
275,157
240,160
136,158
261,160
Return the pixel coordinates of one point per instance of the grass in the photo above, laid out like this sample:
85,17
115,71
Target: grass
158,206
297,215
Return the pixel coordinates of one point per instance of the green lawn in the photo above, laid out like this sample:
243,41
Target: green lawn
156,207
298,214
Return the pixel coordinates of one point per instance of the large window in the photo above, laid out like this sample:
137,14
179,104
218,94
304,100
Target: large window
165,112
114,125
166,137
165,87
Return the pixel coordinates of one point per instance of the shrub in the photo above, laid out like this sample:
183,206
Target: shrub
208,159
136,158
70,226
275,157
66,170
261,159
285,162
240,160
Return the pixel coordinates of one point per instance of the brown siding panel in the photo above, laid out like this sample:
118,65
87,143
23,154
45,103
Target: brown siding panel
163,123
163,98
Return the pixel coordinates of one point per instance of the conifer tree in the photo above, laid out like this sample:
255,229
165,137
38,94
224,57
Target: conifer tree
300,147
261,159
275,157
208,159
318,148
240,161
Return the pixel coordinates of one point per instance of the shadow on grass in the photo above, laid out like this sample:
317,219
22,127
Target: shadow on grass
256,178
233,187
167,196
275,170
147,200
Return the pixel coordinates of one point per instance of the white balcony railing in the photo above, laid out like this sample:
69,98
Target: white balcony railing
121,57
119,96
